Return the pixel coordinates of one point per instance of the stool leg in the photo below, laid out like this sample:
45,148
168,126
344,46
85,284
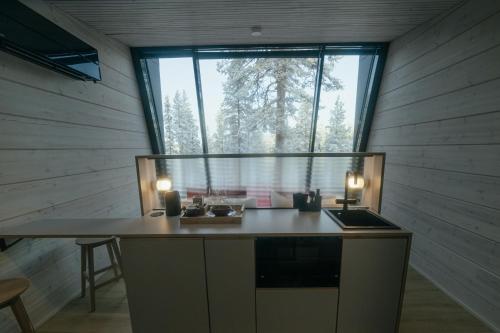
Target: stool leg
118,255
24,321
112,259
91,278
83,275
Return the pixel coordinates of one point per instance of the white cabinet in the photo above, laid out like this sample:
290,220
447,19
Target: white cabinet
196,285
231,285
296,310
166,288
371,279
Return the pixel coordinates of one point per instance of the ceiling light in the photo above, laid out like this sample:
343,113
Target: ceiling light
256,31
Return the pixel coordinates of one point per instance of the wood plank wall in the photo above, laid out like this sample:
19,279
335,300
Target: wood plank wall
67,149
438,119
217,22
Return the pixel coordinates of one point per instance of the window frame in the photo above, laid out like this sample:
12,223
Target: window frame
140,55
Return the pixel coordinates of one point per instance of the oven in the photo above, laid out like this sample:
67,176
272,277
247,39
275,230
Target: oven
297,262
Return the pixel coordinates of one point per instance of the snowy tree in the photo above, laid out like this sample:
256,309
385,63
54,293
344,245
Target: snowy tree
272,90
217,139
188,139
169,126
298,140
267,106
338,136
181,130
237,123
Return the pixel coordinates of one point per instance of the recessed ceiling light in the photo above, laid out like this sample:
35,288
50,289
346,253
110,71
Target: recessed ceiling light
256,31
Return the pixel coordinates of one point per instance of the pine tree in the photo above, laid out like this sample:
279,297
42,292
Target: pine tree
338,136
169,126
182,134
265,92
301,132
236,125
188,130
217,142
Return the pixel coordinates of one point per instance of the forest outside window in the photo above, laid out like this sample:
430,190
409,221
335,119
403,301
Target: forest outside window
271,99
181,121
258,105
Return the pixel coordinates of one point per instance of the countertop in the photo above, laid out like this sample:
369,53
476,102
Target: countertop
256,222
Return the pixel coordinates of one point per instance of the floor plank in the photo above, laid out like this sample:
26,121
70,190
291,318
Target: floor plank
111,313
426,309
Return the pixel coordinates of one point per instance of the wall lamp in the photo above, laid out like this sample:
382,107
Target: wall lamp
171,198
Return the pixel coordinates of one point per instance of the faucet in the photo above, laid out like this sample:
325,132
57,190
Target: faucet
346,190
358,183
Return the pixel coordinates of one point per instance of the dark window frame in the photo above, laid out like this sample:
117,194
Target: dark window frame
370,94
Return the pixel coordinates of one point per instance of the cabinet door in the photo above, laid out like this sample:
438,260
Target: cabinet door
231,285
166,287
370,284
296,310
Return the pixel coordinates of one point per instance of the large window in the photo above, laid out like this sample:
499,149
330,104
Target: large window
258,105
181,121
273,99
337,104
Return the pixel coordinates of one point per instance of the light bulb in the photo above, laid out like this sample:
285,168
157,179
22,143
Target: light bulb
356,182
163,184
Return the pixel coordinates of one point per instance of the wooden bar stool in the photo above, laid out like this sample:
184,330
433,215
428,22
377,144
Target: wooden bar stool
10,295
88,271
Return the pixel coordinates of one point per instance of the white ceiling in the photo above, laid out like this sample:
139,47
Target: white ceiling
214,22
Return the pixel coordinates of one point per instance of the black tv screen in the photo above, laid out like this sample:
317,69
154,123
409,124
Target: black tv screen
26,33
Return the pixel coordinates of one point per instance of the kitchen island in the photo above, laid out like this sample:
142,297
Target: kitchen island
280,270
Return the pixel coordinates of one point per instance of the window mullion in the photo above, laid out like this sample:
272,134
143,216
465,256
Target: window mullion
317,91
201,113
150,108
314,120
199,97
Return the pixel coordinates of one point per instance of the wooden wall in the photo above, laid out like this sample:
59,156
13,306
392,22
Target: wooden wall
438,119
218,22
67,148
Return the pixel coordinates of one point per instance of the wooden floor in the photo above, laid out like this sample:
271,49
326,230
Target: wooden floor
426,310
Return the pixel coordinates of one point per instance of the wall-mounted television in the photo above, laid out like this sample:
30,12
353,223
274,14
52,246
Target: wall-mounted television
27,34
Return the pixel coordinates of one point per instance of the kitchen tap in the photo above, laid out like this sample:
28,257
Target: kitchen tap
346,190
357,183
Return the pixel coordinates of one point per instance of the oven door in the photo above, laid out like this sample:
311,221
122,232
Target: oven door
296,262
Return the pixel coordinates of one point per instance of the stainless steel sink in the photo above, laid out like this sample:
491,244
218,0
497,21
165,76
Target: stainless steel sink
359,219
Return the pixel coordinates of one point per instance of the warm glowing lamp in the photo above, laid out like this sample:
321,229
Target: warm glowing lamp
355,181
163,184
172,198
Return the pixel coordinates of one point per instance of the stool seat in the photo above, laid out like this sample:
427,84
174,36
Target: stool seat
10,295
12,288
88,271
93,241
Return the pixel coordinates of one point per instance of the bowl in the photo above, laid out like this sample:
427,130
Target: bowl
221,210
193,210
